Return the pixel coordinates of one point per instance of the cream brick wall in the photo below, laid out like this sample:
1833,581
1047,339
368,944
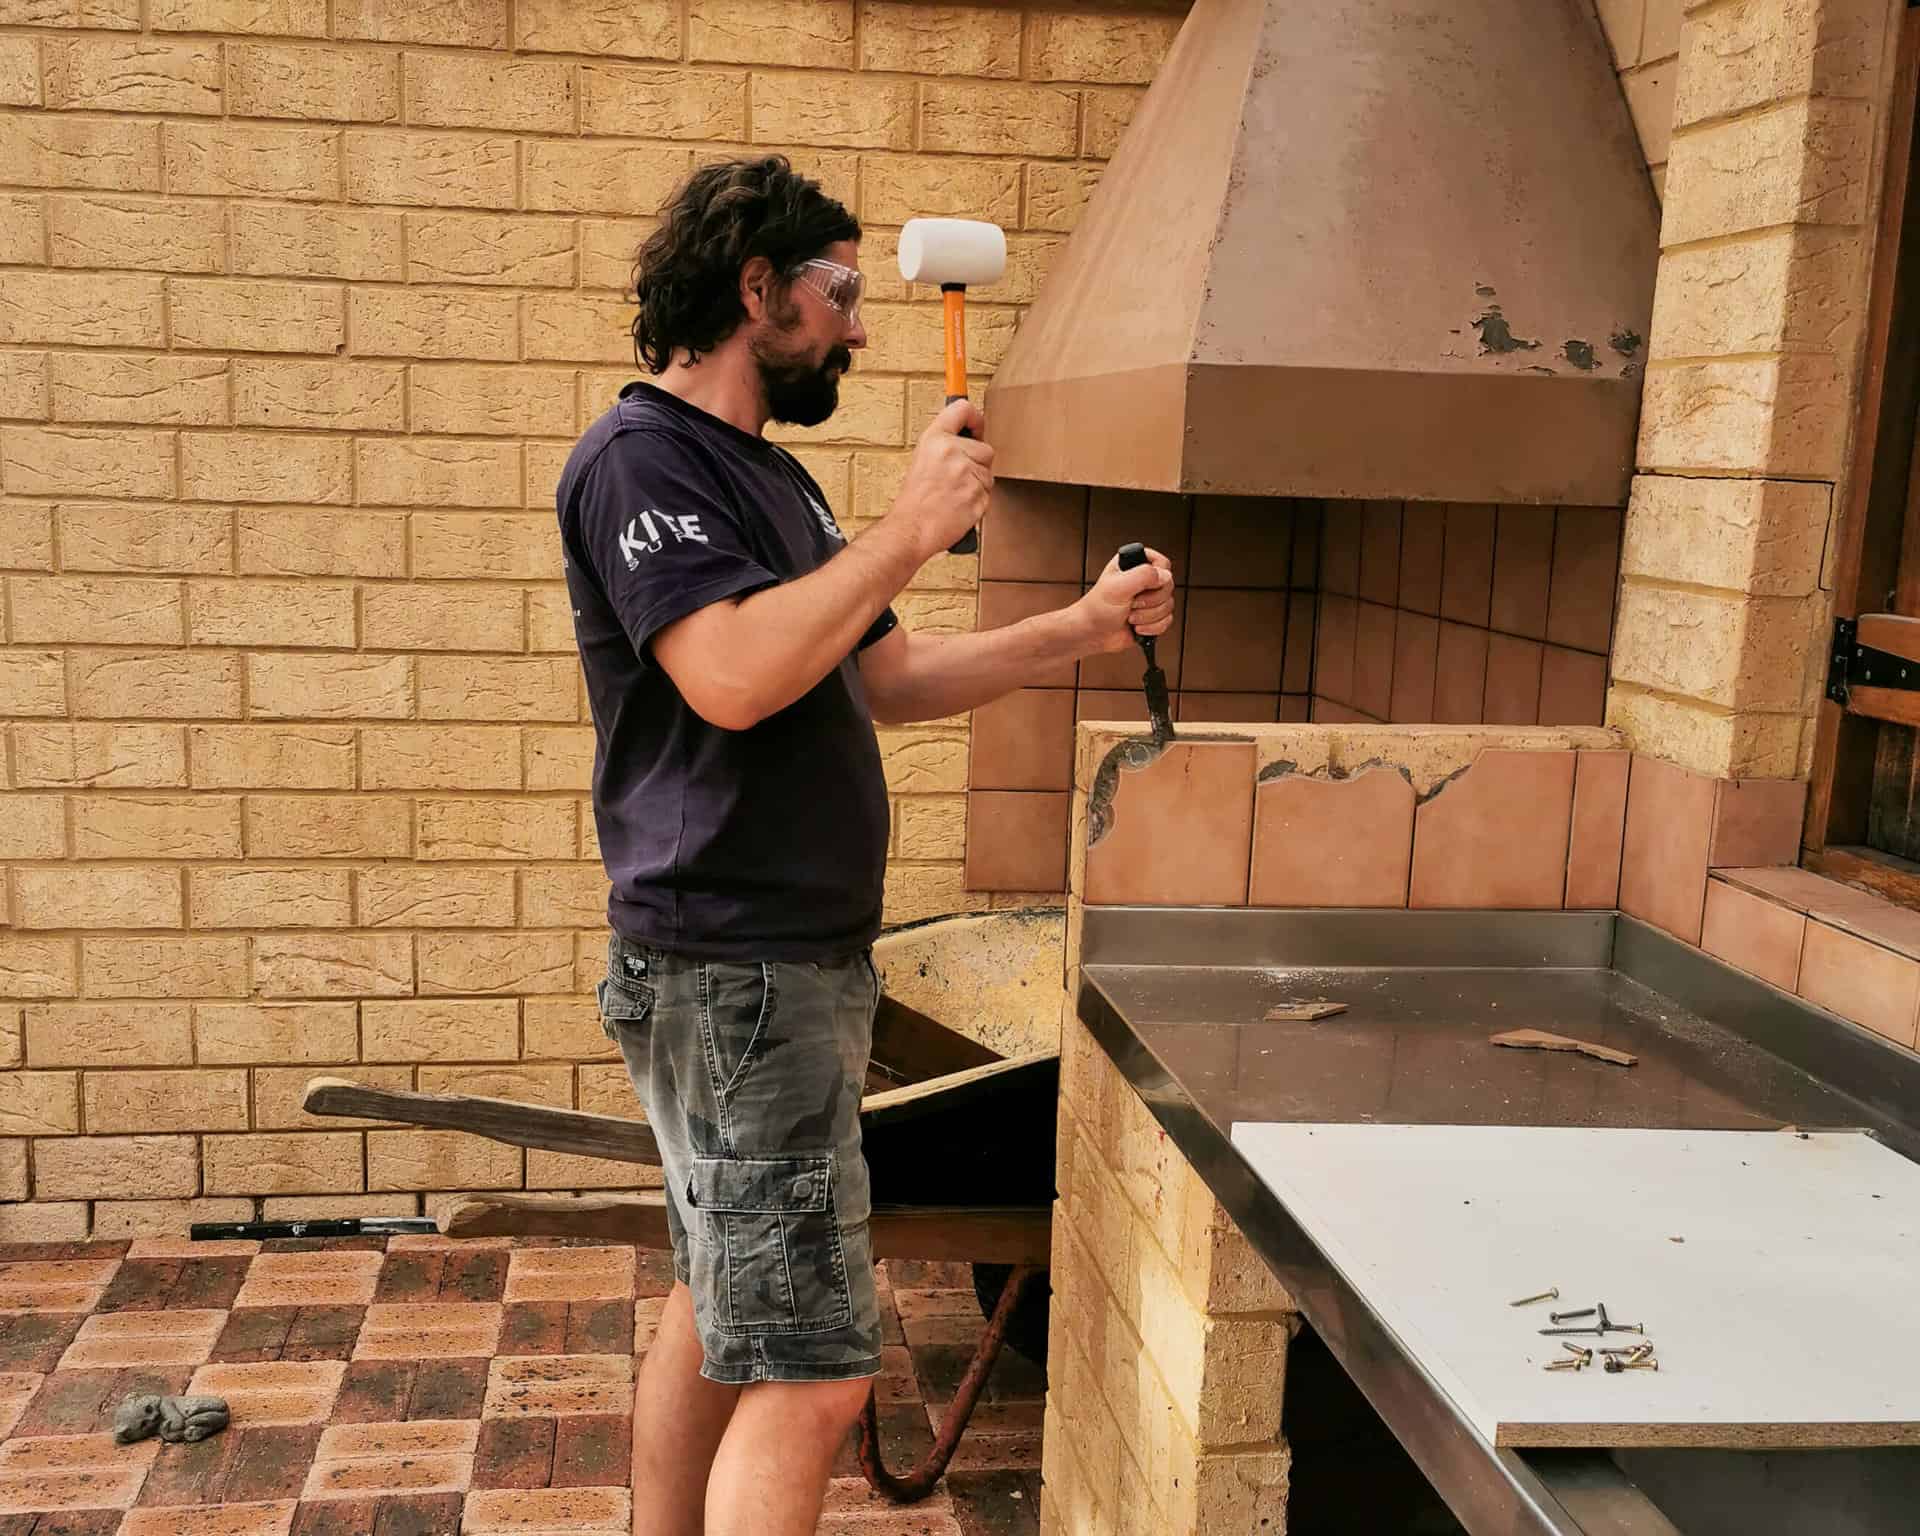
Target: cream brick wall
301,308
1167,1356
1777,114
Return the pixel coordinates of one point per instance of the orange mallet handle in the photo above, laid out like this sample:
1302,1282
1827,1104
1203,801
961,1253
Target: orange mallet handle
953,297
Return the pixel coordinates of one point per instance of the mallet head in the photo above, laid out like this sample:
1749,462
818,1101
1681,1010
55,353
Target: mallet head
952,252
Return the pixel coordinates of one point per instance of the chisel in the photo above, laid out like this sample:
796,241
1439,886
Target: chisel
1155,681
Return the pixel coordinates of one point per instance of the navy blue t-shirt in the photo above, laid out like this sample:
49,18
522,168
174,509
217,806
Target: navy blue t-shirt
763,844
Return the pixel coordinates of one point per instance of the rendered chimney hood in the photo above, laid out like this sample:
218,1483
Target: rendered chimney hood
1393,249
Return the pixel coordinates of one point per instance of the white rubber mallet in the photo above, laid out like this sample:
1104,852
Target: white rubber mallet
954,253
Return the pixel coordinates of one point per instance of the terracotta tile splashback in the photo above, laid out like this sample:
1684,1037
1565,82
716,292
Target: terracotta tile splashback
1034,531
1496,836
1460,675
1522,569
1180,829
1513,681
1416,643
1235,641
1332,842
1466,583
1423,527
1599,822
1023,741
1663,861
1152,518
1757,822
1573,686
1754,934
1017,841
1007,602
1242,541
1859,980
1379,551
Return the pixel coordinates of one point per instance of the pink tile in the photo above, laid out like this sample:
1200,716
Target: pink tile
1298,676
1423,526
1295,708
1332,842
1663,860
1460,675
1586,565
1754,934
1017,840
1466,582
1179,830
1334,651
1757,822
1226,708
1023,740
1008,602
1305,572
1240,541
1573,687
1380,552
1154,518
1522,570
1416,645
1034,531
1860,981
1340,548
1373,661
1496,836
1599,824
1513,681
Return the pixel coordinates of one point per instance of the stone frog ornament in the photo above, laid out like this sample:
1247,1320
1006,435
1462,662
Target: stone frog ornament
174,1419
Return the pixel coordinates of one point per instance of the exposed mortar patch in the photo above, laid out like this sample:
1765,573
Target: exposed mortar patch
1497,336
1134,752
1626,342
1580,354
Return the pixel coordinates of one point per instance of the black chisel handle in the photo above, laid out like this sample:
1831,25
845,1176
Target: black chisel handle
1133,556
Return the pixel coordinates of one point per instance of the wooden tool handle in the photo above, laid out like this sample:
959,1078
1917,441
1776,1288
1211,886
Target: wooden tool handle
953,299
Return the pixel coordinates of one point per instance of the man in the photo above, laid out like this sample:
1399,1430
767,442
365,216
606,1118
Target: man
737,652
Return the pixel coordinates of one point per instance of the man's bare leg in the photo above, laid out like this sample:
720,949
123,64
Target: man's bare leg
770,1476
679,1418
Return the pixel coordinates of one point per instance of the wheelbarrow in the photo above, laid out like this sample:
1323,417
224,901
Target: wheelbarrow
959,1142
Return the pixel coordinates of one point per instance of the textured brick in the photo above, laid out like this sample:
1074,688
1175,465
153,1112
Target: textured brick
1796,163
24,390
1733,652
492,1512
108,1167
295,241
441,1031
607,249
269,613
486,688
450,90
124,610
439,1160
1763,537
222,315
272,757
274,1391
301,164
856,111
97,898
940,39
150,1219
279,1096
290,18
635,29
1104,121
567,1029
273,1032
429,169
326,826
166,1101
324,84
111,74
268,898
166,685
140,967
550,628
42,1104
583,327
33,827
299,1164
113,156
999,119
489,248
1782,290
508,402
31,966
600,177
524,1085
284,542
340,396
815,33
455,23
19,72
156,827
129,538
1781,416
496,829
79,461
439,472
1057,194
405,323
436,898
1106,48
150,235
122,756
1748,55
22,229
333,965
84,309
563,898
102,1035
26,538
439,757
44,1221
442,617
518,962
545,462
901,187
189,391
910,337
332,687
663,103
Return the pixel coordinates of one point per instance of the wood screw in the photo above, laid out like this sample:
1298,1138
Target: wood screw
1552,1293
1562,1317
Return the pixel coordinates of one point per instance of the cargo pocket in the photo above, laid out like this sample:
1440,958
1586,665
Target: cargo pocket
737,1001
622,1002
777,1242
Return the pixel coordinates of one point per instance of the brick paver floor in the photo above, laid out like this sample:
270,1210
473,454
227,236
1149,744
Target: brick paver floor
414,1386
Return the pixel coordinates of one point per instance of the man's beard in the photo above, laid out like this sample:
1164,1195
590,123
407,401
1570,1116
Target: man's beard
798,391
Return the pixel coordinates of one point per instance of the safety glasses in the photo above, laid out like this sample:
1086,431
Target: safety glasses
841,287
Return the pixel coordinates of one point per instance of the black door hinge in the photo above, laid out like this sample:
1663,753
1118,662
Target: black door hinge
1853,665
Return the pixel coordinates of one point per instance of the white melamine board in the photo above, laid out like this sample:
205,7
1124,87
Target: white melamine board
1788,1316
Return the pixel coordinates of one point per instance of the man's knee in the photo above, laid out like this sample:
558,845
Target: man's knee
828,1408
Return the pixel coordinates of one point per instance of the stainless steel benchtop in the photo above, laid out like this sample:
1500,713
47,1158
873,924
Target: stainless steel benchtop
1178,997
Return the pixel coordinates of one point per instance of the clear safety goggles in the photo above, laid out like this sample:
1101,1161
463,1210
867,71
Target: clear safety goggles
840,286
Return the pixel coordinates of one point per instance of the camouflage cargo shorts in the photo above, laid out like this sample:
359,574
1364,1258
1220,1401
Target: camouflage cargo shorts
752,1074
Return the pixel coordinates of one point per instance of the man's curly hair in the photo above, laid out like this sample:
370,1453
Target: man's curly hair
687,273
